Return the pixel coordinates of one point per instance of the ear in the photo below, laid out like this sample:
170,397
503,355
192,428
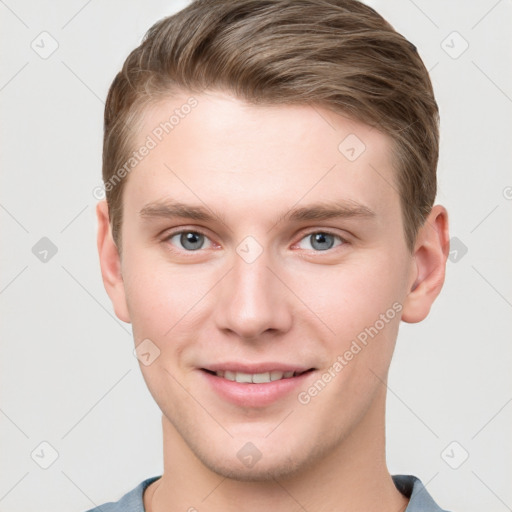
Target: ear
430,254
110,263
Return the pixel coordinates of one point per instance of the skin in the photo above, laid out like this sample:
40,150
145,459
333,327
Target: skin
251,166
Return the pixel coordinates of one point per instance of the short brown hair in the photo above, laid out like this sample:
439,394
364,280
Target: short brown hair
339,54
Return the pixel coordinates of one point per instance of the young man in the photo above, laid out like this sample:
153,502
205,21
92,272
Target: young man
270,169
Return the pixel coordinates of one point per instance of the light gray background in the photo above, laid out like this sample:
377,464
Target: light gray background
68,375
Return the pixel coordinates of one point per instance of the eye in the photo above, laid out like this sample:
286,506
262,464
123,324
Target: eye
320,241
190,240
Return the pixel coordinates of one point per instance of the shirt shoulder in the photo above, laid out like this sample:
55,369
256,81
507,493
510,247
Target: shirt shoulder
410,486
419,498
131,502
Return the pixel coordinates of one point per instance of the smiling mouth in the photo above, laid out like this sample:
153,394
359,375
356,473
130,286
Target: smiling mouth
256,378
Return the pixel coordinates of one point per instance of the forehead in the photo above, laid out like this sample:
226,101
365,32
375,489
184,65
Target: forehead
240,155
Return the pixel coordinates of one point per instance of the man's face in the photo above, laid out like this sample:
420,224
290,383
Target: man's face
264,240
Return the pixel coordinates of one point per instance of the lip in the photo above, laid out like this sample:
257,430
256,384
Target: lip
255,395
256,367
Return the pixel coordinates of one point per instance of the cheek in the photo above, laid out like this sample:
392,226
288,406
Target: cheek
361,305
158,294
350,297
168,305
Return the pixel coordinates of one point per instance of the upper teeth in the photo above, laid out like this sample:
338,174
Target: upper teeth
256,378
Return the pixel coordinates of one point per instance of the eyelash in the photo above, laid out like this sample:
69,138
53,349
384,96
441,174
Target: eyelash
343,241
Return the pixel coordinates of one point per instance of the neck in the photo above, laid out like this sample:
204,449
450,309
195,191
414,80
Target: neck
352,476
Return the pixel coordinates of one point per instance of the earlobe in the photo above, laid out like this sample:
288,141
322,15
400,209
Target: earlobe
430,255
110,263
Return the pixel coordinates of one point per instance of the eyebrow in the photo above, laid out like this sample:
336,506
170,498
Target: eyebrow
325,211
171,209
319,211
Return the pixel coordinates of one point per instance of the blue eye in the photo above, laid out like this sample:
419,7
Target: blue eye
194,241
189,240
321,241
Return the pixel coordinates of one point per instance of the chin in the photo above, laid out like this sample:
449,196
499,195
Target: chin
261,472
276,462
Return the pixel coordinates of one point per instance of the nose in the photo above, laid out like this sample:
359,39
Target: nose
253,302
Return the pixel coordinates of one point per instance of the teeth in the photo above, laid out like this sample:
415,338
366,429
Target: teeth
276,375
243,377
260,378
228,375
256,378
